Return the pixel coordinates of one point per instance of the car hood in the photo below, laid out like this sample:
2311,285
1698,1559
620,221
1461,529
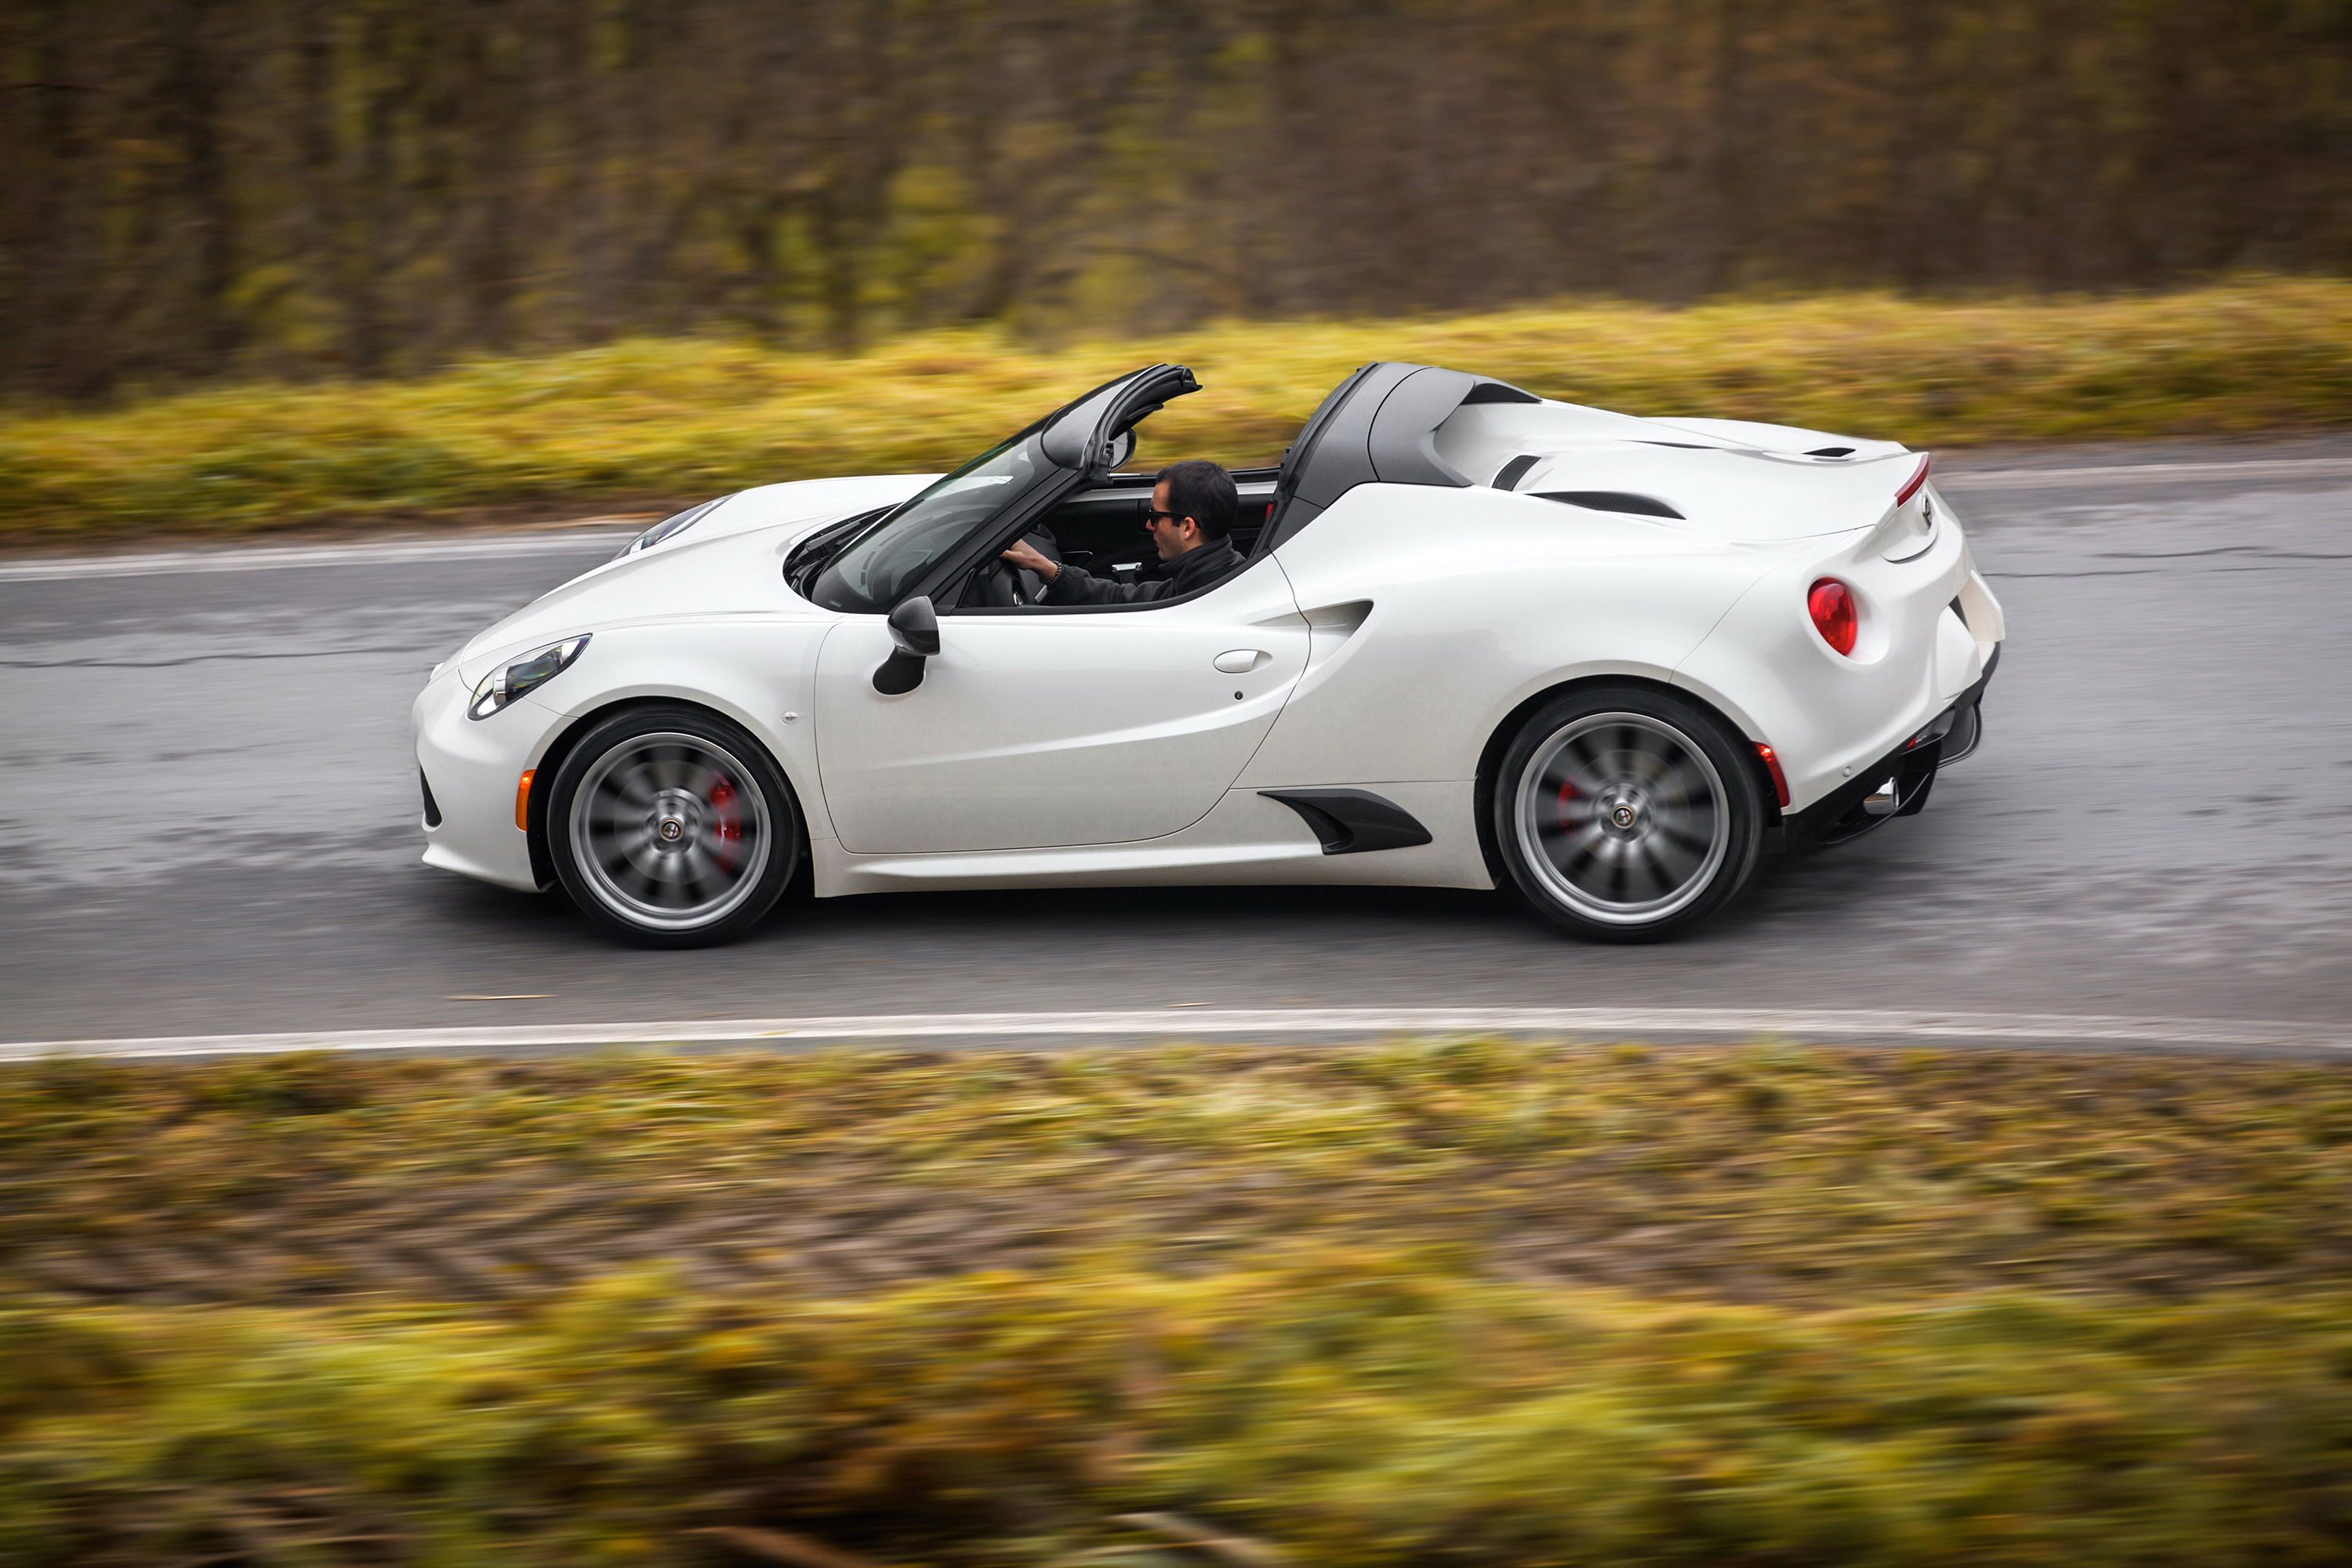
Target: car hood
729,562
1729,481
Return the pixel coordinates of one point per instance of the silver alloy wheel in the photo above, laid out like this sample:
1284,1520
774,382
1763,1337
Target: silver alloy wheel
670,831
1622,817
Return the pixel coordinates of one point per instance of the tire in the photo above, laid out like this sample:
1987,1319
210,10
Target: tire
1626,813
671,826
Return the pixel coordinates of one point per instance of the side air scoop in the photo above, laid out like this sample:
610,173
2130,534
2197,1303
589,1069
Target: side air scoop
1353,821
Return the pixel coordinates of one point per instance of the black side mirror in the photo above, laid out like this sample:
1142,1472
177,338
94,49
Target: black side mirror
915,631
914,627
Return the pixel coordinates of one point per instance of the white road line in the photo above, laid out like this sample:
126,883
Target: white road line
276,558
1669,1024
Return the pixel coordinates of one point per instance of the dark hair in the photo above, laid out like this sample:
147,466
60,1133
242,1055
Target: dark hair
1203,492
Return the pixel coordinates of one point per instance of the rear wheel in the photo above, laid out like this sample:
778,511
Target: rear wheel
1625,814
672,827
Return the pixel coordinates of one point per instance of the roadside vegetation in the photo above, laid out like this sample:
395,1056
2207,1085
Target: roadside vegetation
380,190
647,424
1459,1302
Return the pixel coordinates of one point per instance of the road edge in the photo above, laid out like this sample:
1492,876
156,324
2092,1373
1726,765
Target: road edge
1658,1025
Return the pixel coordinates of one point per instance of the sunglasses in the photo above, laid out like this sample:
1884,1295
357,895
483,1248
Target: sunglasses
1153,514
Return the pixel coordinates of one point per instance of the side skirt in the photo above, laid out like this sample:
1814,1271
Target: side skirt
1246,839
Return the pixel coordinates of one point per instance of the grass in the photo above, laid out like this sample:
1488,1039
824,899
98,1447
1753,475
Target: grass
1453,1303
647,424
1342,1409
1805,1179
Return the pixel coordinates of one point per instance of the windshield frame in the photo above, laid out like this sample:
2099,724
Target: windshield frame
831,587
1064,449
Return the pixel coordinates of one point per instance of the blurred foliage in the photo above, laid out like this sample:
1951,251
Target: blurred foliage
1347,1408
209,188
1805,1178
651,422
1837,1340
1342,1408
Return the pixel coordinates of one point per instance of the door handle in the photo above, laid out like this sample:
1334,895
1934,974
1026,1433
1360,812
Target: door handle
1242,661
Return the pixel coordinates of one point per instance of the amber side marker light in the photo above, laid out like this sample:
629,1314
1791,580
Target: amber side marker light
1772,766
522,798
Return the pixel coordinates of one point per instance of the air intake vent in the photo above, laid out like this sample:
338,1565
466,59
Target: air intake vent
1831,452
1499,392
432,806
1613,501
1514,470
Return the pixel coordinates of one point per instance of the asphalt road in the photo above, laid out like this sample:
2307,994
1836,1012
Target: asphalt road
207,814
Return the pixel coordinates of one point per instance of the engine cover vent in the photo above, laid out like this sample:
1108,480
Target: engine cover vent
1514,470
1613,501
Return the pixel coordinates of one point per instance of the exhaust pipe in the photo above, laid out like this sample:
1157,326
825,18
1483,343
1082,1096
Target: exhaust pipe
1882,801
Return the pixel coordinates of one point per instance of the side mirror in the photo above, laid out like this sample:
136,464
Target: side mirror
915,632
914,627
1118,449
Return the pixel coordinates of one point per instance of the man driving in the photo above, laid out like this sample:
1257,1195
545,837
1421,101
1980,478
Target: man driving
1191,517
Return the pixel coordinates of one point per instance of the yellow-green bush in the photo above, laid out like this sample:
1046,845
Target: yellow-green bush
1345,1409
1451,1303
649,422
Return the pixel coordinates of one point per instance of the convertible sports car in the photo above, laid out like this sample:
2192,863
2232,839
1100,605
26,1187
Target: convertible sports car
1478,638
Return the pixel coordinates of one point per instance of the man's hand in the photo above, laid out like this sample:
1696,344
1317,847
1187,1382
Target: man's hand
1025,556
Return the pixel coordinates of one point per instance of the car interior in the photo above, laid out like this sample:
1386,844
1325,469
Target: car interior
1384,418
1101,531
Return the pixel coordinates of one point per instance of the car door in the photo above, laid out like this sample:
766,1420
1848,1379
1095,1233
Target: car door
1049,727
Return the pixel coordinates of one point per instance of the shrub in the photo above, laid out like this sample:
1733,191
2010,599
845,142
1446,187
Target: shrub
649,422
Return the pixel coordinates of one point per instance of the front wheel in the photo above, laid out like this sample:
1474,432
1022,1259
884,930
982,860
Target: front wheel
1627,815
672,827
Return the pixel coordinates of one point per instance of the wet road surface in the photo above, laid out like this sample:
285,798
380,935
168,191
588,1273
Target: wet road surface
207,814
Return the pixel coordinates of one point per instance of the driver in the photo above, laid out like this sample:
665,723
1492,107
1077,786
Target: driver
1191,515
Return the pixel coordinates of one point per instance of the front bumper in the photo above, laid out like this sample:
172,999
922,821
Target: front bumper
1853,809
470,768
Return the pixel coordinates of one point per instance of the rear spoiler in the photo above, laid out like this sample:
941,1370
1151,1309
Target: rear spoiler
1918,477
1909,525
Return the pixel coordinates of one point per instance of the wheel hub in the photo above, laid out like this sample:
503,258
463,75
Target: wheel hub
1627,812
677,818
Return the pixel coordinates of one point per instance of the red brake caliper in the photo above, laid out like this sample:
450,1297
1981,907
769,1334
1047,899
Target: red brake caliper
730,822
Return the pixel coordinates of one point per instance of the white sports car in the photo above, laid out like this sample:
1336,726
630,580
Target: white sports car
1477,638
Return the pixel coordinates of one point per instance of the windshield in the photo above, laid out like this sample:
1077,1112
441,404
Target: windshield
874,570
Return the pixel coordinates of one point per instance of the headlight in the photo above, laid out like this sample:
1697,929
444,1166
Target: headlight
502,687
667,528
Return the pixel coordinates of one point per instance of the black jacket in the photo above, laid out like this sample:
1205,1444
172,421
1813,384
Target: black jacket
1195,569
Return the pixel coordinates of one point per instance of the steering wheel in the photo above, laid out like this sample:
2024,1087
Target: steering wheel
1000,585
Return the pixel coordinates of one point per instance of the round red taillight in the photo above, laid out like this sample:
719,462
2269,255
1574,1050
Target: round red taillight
1832,607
